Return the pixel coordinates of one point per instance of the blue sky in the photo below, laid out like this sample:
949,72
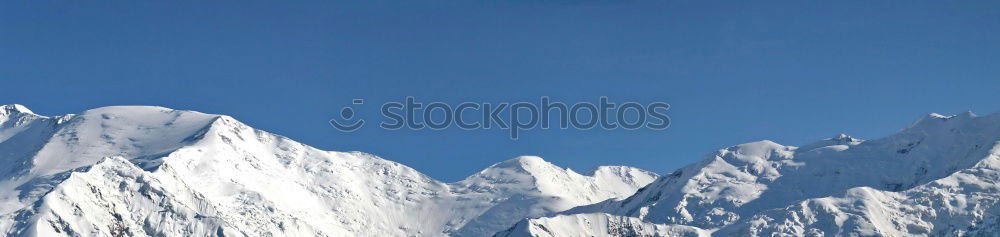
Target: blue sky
792,72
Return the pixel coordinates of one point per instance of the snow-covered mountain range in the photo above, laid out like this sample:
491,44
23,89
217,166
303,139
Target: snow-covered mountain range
936,177
152,171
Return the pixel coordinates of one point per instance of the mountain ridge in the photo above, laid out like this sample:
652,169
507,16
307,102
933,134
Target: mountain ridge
157,171
936,176
138,170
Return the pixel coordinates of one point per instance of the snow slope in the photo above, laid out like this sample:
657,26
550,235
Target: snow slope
596,224
152,171
937,177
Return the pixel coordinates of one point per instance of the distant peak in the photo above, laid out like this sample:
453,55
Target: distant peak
15,108
142,112
529,159
966,114
615,169
843,138
758,146
936,118
529,164
523,161
525,165
839,139
129,108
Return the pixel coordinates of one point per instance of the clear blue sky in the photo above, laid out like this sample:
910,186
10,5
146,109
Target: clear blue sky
792,72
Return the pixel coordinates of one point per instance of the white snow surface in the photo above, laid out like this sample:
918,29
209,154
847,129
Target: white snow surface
939,176
153,171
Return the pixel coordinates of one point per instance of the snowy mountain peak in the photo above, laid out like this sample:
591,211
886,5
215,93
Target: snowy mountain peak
763,148
532,187
524,162
966,114
14,108
537,175
937,115
617,170
530,164
147,116
15,114
139,133
838,142
842,137
935,119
